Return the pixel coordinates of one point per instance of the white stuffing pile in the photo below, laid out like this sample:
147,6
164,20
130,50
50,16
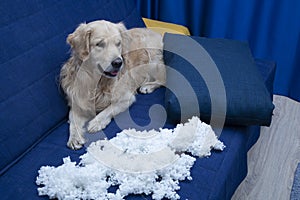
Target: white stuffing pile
147,162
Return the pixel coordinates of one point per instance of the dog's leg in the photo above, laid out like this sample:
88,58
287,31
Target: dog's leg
149,87
76,137
105,116
157,72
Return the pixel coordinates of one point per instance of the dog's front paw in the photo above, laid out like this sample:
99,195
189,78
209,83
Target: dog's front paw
96,125
75,143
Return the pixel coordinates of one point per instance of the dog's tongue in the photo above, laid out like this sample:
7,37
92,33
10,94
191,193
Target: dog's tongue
114,72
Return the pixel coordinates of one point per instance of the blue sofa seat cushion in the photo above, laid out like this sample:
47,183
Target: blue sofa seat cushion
234,89
215,177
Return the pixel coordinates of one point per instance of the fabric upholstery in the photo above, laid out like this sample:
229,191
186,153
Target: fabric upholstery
246,97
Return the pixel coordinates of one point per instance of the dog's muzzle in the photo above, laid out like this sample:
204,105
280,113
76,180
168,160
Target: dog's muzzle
114,68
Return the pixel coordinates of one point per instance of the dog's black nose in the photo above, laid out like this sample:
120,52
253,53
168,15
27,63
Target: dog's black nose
117,63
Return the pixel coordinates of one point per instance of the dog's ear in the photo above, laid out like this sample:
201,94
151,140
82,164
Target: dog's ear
79,41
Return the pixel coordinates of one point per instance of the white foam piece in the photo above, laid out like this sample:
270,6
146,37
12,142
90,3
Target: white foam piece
150,162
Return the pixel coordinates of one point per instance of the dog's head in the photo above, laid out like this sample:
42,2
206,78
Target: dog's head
99,45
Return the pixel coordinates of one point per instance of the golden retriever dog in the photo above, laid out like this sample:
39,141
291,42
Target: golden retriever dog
108,65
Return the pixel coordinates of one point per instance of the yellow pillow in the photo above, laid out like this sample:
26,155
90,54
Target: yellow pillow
163,27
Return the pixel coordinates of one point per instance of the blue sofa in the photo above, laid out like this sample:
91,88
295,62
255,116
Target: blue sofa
33,109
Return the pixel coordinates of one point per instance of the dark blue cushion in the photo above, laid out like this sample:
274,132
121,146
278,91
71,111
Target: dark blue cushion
267,69
223,76
33,48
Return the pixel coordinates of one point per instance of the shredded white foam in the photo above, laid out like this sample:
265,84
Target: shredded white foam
136,162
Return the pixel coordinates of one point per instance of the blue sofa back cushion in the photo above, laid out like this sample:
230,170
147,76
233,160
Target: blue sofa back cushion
33,49
247,99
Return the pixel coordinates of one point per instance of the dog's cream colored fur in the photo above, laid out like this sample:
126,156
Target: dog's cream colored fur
93,96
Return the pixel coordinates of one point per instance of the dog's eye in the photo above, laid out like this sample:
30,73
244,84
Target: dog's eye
118,43
101,44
